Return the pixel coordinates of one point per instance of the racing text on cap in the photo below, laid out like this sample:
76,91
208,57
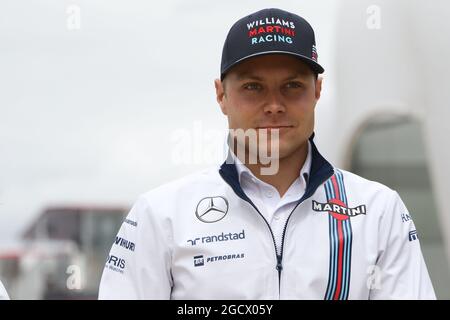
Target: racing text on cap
271,30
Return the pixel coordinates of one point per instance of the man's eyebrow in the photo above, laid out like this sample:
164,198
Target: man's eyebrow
248,75
297,75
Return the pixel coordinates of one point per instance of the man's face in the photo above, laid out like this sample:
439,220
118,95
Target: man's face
271,91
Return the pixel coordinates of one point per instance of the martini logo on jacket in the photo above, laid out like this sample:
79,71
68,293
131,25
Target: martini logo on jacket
338,209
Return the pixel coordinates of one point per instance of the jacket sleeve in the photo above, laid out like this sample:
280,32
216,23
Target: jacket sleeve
3,293
400,265
138,265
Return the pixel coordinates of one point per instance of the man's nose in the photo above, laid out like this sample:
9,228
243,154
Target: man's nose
274,103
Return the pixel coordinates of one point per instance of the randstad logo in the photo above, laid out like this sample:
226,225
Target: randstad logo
218,238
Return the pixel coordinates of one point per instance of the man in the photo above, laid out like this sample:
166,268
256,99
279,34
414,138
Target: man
306,230
3,293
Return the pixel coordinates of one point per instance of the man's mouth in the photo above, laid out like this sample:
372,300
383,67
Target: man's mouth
270,128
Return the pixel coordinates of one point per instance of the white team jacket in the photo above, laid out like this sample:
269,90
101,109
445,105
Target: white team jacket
3,293
201,237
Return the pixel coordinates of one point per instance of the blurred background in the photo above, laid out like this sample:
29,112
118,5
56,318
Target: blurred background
101,101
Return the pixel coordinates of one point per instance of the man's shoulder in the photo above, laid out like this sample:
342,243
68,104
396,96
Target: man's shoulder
358,183
188,184
362,191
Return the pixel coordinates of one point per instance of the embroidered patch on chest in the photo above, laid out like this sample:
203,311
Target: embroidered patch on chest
338,209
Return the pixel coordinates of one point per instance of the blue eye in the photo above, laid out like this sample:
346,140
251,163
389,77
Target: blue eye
294,84
252,86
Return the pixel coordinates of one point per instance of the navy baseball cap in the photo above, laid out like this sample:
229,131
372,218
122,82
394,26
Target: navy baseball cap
270,31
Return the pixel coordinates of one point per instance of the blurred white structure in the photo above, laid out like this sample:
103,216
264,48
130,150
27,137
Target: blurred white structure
391,109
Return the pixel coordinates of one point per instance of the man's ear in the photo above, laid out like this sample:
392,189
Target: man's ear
318,88
220,95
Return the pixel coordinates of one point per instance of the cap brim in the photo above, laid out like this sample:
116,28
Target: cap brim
317,68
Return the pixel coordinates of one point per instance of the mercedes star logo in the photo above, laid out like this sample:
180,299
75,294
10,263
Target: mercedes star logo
211,209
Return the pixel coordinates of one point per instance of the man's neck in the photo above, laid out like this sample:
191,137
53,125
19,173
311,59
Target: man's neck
289,170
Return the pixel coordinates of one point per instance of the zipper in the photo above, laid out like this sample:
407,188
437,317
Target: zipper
308,193
244,197
279,268
280,256
279,265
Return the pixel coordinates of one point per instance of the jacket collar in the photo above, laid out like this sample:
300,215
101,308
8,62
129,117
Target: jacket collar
321,170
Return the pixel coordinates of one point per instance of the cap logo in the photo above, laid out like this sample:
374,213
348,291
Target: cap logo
271,30
314,53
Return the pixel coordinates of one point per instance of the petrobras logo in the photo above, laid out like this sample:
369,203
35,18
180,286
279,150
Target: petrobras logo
338,209
225,257
218,238
122,242
115,263
200,261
